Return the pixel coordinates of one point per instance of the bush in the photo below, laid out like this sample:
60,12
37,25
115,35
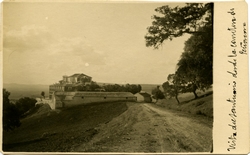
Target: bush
157,93
25,104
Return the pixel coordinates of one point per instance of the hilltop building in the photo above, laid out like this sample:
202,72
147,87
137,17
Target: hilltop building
75,90
70,83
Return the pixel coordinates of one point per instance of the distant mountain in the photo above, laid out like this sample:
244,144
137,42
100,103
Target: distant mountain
25,90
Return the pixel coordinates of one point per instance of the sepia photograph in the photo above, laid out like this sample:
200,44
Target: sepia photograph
107,77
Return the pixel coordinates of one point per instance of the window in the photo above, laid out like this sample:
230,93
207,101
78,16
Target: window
82,97
105,97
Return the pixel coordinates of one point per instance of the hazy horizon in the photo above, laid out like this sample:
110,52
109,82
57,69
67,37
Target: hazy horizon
44,41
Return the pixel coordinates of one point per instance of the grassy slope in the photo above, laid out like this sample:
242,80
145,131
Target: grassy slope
55,131
201,106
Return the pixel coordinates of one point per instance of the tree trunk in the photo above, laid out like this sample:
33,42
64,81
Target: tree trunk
194,91
176,97
195,95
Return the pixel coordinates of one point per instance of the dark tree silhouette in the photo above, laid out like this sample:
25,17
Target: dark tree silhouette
173,86
194,69
43,94
174,22
157,93
11,116
196,64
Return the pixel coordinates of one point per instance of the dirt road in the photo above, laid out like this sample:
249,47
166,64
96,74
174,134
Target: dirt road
148,128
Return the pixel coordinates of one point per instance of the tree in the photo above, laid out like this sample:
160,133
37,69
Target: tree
139,88
43,94
173,86
194,69
157,93
174,22
25,104
93,86
196,64
134,88
121,88
11,116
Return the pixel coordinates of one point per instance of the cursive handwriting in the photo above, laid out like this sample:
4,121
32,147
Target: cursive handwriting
243,44
232,141
234,72
232,29
232,100
232,114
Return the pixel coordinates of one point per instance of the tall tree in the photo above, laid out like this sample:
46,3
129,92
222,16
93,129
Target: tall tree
196,64
194,69
11,116
174,22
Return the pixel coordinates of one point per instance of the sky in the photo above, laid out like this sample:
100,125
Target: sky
44,41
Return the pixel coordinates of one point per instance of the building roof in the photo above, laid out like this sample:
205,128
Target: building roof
78,74
145,94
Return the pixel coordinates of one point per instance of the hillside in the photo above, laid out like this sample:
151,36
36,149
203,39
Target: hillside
61,130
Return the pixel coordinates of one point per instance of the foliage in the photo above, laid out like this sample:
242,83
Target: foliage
173,86
121,88
88,87
196,64
157,93
92,86
11,117
174,22
194,69
25,104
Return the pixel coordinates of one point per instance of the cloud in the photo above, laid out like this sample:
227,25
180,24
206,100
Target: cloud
29,37
33,53
77,48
